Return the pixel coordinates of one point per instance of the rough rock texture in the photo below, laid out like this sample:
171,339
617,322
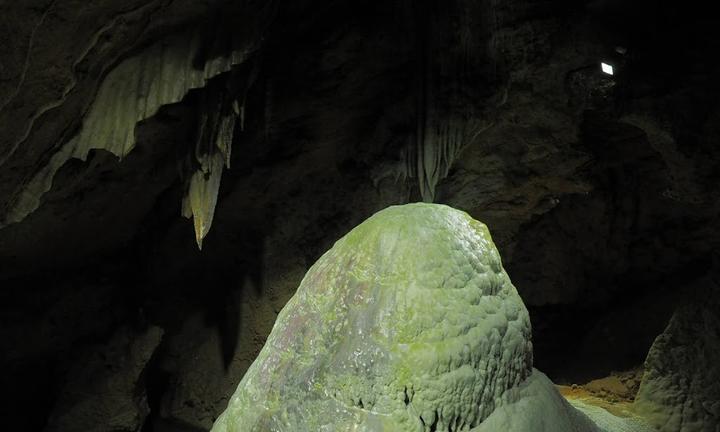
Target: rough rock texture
105,392
680,390
408,323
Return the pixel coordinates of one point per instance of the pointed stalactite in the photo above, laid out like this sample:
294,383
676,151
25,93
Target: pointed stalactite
216,127
201,197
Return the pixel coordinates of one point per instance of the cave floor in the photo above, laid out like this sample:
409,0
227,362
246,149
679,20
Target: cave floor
610,412
615,406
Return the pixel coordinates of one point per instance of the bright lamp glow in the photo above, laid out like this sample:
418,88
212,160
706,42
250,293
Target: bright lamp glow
608,69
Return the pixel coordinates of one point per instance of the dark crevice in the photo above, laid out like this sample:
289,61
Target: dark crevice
434,425
157,383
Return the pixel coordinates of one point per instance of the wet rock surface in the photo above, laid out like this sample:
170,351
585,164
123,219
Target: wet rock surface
408,322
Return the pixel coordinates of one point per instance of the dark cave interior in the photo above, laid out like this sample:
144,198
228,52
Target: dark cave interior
600,191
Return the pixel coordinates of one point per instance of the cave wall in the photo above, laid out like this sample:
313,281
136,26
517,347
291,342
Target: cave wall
677,392
598,191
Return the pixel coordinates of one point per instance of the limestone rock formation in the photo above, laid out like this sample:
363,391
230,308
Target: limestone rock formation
408,323
680,390
132,92
448,116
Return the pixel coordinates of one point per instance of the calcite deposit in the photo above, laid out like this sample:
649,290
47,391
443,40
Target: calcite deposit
409,323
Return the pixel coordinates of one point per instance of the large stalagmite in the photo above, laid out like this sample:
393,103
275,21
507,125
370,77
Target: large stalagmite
409,323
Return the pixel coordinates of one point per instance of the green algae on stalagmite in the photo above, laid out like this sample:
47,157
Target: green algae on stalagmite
409,323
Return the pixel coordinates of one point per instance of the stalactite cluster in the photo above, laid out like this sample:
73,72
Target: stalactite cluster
446,116
134,91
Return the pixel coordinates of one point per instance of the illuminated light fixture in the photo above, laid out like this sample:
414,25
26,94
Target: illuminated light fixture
608,69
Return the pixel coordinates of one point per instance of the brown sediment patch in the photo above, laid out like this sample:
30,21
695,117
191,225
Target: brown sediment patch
614,393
